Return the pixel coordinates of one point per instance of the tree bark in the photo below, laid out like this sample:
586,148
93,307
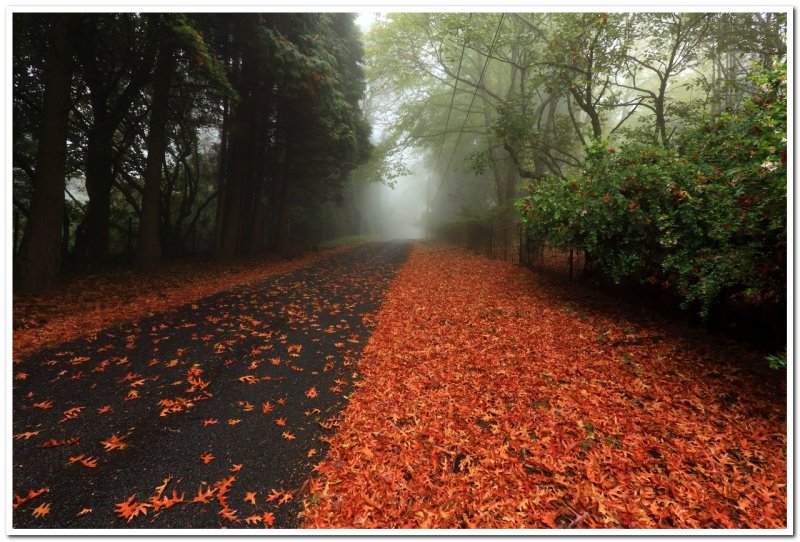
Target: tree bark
148,251
92,242
109,105
40,252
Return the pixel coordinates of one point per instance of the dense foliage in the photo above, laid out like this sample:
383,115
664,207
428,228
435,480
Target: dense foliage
707,216
142,135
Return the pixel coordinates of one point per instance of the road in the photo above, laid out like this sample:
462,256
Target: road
211,415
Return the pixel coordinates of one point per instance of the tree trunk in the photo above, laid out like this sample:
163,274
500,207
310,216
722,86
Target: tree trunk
40,253
281,244
148,252
221,176
92,243
109,102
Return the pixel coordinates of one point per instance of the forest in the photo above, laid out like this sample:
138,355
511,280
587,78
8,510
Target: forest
654,143
411,270
142,135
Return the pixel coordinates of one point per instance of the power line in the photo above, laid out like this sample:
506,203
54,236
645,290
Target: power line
471,103
452,99
444,135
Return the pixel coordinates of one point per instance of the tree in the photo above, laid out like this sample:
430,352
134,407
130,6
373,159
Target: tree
668,45
116,52
38,263
174,33
148,250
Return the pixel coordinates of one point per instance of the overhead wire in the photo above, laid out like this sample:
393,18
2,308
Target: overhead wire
446,125
469,109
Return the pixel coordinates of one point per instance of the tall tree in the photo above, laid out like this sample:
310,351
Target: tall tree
148,250
40,253
116,53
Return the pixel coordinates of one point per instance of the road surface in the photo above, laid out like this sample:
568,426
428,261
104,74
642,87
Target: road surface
228,400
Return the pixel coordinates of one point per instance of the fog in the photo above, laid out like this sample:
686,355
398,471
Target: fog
399,212
393,212
437,178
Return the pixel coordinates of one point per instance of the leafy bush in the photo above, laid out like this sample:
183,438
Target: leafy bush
708,217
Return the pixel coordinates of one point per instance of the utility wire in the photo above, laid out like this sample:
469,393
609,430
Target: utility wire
472,102
452,99
444,134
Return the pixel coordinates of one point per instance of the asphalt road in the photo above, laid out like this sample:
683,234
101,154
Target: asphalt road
228,400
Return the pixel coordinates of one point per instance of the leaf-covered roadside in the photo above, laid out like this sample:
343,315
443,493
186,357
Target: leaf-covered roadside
210,415
88,304
491,398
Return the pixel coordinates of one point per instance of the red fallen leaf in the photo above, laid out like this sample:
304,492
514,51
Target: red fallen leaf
84,511
130,509
372,502
229,514
41,510
165,502
294,349
21,376
267,407
247,407
275,361
312,412
19,501
234,421
157,503
75,459
128,377
237,467
269,519
250,379
250,497
206,457
43,405
89,462
104,409
311,452
274,495
288,436
114,443
133,394
253,519
71,413
53,443
286,497
210,421
281,422
311,392
26,435
225,484
281,401
160,489
204,496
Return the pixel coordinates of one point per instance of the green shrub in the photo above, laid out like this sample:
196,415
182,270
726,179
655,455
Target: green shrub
707,217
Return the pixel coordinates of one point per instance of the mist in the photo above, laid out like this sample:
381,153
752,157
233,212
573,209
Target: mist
398,212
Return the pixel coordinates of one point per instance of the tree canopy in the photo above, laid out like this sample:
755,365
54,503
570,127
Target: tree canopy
179,132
